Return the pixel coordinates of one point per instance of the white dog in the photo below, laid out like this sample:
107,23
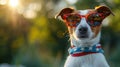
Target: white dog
85,30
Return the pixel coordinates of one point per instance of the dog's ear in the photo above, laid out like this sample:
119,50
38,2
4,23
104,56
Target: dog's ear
64,11
106,11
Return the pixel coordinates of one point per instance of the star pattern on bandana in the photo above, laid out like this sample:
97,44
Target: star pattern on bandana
95,48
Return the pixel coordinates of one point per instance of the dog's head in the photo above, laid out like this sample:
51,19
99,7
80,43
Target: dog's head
84,24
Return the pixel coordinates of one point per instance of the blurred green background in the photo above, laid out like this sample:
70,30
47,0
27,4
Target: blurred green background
31,37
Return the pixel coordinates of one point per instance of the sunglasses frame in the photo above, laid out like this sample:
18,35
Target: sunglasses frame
90,22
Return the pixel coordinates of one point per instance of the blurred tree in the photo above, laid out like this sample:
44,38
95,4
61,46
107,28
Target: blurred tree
115,38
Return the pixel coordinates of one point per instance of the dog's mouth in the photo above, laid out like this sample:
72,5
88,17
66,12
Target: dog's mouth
82,36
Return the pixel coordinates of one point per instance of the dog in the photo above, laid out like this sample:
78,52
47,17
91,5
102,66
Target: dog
84,28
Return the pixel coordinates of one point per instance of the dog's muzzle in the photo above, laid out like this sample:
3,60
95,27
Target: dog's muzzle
83,32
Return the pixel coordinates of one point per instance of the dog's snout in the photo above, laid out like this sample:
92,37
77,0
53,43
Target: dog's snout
83,30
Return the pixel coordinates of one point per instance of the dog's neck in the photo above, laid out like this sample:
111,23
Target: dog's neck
85,43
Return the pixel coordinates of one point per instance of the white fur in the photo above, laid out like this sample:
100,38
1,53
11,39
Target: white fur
91,60
83,12
83,23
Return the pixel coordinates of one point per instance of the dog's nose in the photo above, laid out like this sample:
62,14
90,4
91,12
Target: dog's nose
83,30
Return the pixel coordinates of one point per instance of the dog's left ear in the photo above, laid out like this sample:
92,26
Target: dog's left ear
106,11
64,11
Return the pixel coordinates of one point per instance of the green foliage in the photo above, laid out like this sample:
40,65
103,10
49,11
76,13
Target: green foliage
90,4
115,21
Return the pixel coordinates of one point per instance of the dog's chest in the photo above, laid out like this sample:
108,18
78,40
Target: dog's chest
92,60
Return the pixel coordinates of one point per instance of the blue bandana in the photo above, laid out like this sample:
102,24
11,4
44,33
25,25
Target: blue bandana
96,48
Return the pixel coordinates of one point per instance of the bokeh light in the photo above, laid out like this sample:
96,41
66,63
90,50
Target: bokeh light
13,3
3,2
29,14
71,1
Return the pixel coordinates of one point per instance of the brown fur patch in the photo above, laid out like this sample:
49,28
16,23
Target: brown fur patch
96,30
71,30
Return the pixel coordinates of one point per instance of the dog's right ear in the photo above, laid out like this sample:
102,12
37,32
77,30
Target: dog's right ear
64,11
104,9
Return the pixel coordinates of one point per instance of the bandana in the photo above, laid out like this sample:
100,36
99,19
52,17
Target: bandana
81,51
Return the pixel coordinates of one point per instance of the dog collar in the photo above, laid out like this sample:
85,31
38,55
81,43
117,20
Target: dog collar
81,51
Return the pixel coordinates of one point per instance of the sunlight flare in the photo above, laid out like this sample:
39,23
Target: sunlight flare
13,3
3,2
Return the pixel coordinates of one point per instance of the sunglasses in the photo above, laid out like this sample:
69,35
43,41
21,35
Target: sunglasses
93,19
